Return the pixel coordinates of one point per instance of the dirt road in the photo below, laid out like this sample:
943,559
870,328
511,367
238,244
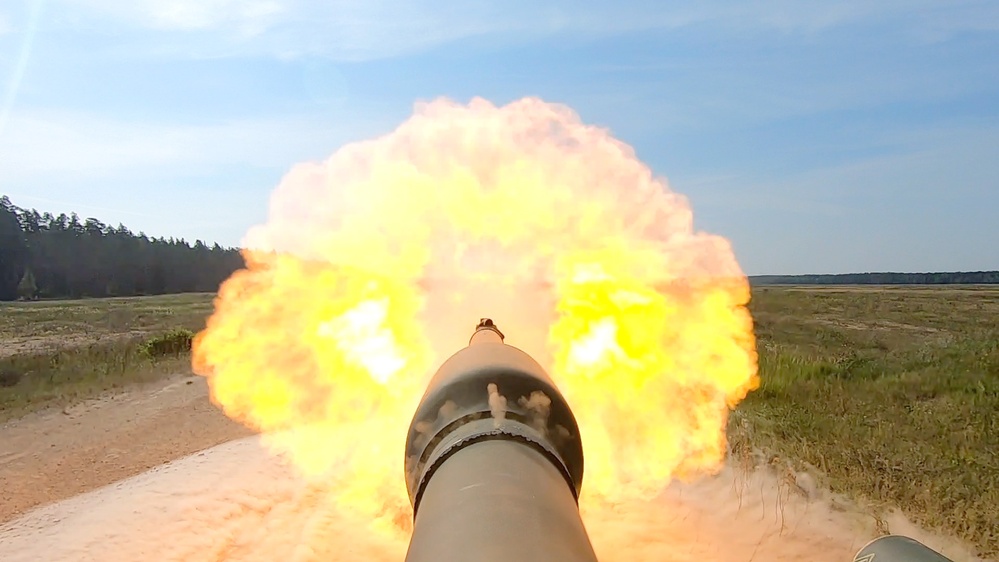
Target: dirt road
58,453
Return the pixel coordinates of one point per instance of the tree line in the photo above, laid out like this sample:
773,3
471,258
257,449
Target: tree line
887,278
59,256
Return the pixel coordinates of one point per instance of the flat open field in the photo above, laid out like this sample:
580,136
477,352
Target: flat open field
27,327
61,352
887,394
892,393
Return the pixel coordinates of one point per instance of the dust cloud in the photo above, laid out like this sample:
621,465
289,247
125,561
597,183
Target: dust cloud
236,502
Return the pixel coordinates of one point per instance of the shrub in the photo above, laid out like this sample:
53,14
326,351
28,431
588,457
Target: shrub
173,342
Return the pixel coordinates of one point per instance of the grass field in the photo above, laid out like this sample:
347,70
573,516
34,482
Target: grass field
889,394
46,325
59,352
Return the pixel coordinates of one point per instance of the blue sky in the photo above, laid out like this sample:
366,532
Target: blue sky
816,136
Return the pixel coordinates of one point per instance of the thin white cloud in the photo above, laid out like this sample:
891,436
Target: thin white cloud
925,207
58,146
342,30
207,181
5,26
206,14
932,163
371,29
816,15
188,15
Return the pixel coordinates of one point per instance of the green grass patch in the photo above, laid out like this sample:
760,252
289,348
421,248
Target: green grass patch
60,352
62,377
173,343
893,395
21,321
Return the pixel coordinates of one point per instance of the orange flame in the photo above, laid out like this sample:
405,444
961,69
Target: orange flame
374,264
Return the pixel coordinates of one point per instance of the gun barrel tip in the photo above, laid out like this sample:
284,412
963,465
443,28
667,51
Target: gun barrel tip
488,324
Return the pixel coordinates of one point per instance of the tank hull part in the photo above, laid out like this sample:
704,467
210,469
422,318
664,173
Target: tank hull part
896,548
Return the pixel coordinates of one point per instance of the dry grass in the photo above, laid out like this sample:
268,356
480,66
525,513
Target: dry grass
51,325
34,380
891,393
60,352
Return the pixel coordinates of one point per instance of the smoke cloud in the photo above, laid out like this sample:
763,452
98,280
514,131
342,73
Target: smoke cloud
497,405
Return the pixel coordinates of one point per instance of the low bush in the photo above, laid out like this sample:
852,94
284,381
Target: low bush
172,343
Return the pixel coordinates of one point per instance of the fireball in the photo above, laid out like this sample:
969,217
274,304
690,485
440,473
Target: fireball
374,264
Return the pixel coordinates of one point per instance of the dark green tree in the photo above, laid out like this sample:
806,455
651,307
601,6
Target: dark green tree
69,258
13,250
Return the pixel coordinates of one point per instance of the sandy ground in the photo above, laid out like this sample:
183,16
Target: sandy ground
58,453
235,502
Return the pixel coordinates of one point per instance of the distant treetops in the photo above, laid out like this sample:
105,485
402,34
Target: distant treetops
47,256
943,278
